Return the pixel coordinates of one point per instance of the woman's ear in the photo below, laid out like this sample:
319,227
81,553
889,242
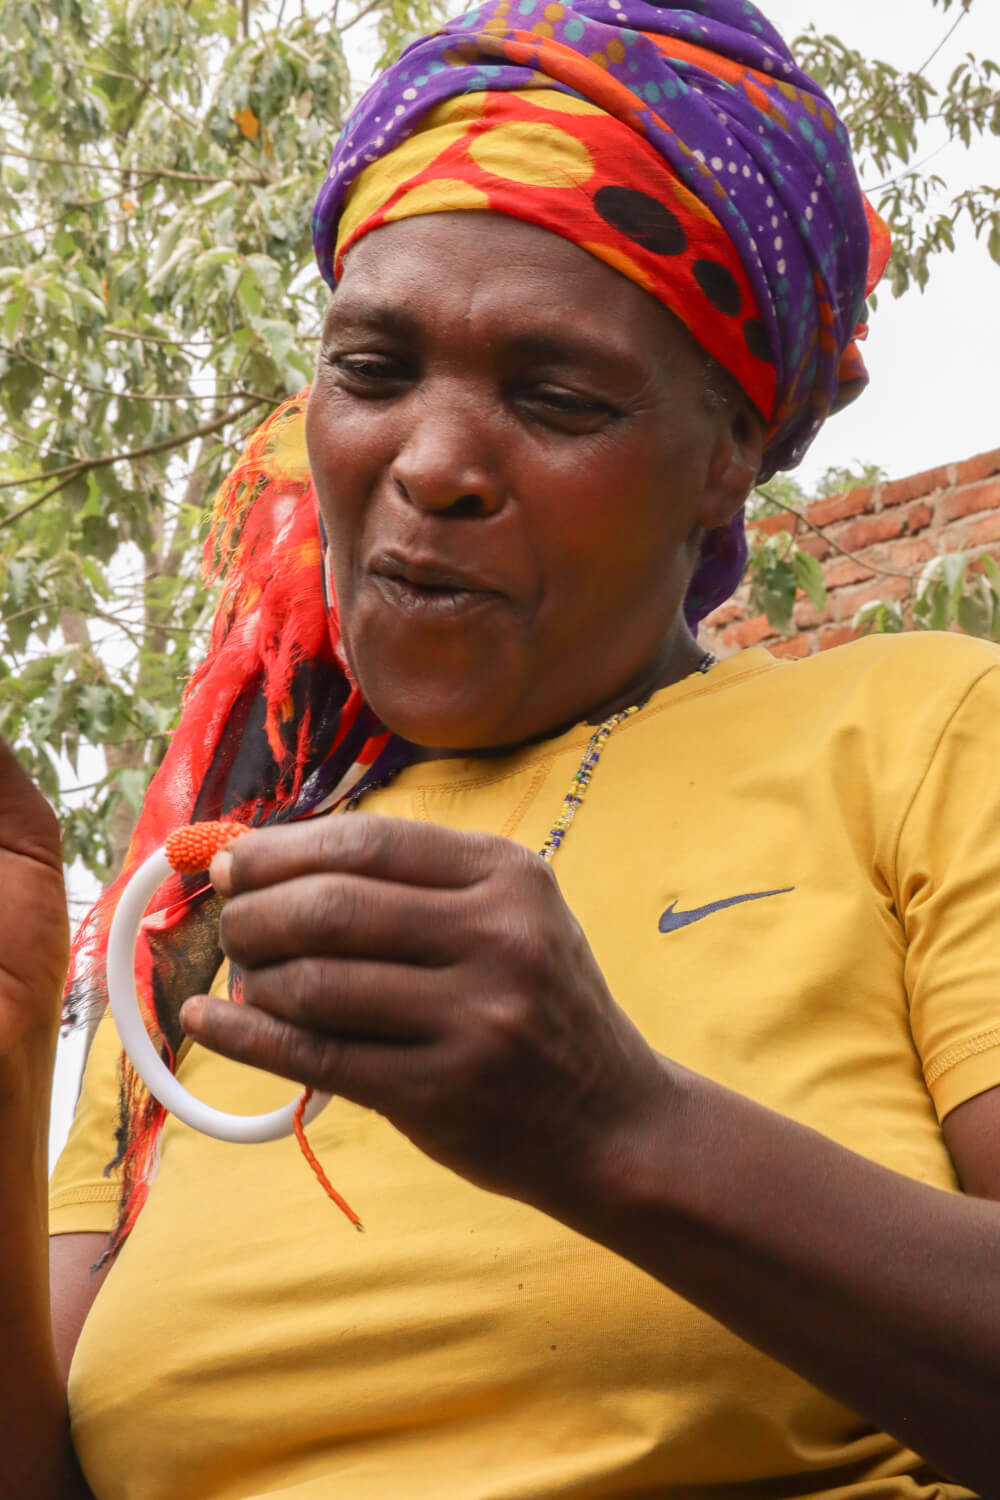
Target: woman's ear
735,463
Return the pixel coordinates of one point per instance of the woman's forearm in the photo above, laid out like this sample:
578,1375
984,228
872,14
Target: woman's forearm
880,1290
36,1455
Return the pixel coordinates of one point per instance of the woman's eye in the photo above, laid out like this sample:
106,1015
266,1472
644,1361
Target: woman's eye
368,370
566,409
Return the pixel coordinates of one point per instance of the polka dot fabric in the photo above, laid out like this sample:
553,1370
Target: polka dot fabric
711,126
556,160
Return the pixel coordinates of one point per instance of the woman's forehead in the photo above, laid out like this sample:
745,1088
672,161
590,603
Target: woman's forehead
507,278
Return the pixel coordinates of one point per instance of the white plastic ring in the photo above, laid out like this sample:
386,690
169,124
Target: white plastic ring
243,1129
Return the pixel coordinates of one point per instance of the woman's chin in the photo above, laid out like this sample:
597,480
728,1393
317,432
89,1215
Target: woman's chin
450,713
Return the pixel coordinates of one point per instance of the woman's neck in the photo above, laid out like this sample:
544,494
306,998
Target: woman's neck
679,659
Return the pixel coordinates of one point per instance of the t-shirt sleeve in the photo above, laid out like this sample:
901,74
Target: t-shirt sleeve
83,1193
948,883
83,1189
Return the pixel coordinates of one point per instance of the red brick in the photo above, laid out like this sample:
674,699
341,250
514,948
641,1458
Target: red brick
976,566
918,517
979,467
973,498
910,554
806,617
915,486
836,635
839,507
817,545
986,530
881,528
847,602
771,525
725,614
795,648
845,570
750,632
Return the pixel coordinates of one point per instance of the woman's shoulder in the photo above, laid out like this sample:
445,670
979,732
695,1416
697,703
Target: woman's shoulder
914,666
896,695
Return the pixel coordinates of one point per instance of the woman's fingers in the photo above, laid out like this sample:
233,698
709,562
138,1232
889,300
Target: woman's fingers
393,849
355,997
358,1069
345,915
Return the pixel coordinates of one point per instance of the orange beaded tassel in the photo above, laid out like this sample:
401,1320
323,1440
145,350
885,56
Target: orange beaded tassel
189,850
193,848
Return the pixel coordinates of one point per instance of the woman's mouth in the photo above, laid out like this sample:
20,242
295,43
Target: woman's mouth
428,590
430,601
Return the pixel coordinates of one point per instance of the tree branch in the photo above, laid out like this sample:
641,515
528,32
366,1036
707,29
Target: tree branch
153,338
359,15
894,92
100,390
146,85
72,471
260,179
20,437
25,510
871,568
83,205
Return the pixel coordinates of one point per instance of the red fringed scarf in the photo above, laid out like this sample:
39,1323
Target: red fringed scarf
272,728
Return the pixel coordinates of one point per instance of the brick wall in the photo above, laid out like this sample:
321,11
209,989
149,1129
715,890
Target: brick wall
898,525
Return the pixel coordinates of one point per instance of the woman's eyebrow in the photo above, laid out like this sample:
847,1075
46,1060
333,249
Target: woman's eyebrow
356,314
598,355
572,349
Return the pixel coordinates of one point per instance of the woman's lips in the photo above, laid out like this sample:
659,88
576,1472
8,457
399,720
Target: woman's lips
428,590
431,602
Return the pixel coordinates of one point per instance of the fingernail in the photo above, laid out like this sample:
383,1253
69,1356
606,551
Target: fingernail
190,1013
220,872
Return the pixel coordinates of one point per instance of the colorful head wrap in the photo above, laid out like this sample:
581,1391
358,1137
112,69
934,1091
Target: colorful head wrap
681,146
684,147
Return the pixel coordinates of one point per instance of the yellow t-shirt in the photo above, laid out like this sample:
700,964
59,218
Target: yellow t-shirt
248,1343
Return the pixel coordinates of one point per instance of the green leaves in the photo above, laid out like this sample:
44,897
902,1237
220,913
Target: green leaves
777,569
896,120
809,577
955,591
156,183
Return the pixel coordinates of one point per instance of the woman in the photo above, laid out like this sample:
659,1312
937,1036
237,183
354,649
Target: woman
647,1143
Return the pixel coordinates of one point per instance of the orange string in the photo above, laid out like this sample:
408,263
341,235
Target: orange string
189,850
311,1158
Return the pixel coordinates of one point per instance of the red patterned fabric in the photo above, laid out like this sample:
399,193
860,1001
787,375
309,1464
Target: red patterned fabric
568,166
272,728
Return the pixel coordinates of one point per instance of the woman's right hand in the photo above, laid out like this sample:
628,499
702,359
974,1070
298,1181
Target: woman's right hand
34,926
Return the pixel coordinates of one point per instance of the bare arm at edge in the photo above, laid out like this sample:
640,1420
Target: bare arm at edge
73,1285
972,1135
36,1452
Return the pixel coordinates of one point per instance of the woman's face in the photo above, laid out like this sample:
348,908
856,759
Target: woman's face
515,456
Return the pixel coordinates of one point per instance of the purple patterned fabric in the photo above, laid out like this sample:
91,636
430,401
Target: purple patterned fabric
715,90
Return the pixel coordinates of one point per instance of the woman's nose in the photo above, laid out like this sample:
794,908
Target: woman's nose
447,460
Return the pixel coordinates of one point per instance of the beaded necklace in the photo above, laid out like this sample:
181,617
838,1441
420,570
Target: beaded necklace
581,778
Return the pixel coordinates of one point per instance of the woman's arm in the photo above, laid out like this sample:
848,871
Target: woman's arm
73,1284
440,979
878,1289
36,1456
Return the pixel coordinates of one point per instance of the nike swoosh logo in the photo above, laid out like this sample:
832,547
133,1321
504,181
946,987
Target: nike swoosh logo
673,919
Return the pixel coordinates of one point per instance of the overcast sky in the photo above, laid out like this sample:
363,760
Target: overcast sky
933,358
